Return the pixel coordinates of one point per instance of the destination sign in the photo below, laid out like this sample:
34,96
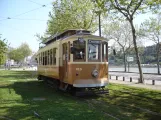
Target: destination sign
94,41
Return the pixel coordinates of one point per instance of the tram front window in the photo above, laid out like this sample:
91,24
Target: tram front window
79,51
93,50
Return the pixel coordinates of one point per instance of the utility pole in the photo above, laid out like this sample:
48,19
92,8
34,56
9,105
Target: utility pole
99,15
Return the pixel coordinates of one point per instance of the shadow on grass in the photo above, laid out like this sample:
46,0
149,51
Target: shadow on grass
19,102
139,104
57,105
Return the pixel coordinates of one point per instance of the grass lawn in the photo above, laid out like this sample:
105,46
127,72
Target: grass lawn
18,89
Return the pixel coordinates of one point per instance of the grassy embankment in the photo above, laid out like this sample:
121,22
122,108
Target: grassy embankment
19,88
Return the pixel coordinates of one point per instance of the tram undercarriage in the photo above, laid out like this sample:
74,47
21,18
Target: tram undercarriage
76,91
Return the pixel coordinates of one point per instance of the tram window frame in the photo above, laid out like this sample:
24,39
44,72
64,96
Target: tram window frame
97,42
74,54
43,58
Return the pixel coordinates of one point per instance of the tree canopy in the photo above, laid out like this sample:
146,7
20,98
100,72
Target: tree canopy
151,29
71,14
128,9
19,54
3,50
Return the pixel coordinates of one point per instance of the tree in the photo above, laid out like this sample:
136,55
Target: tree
100,9
151,30
121,33
71,14
25,49
128,9
3,50
20,53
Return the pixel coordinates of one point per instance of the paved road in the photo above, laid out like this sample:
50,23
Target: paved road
136,75
148,78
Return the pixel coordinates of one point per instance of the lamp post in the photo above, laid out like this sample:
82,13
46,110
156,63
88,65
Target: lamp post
98,12
99,15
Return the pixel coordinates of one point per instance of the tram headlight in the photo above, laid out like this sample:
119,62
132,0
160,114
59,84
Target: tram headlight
95,73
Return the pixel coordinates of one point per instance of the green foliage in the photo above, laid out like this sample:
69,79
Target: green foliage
100,6
3,50
147,54
71,14
41,38
151,28
120,32
128,9
18,54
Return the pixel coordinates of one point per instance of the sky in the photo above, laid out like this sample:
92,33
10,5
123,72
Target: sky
28,17
24,25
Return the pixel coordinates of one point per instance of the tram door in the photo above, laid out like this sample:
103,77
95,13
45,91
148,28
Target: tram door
65,62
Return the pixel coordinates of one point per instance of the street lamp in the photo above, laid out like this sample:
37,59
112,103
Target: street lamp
99,17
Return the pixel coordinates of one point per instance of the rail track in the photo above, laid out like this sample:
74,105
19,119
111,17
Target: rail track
102,102
94,103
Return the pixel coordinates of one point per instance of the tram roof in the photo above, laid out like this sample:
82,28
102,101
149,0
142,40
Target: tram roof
66,33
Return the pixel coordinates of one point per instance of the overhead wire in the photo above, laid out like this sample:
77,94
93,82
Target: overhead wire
26,19
39,3
28,11
24,12
14,17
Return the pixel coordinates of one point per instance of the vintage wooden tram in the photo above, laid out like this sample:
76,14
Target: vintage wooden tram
75,60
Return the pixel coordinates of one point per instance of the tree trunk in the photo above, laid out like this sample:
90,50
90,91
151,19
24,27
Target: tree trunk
124,59
158,51
141,80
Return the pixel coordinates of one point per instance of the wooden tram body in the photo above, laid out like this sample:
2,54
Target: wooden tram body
74,60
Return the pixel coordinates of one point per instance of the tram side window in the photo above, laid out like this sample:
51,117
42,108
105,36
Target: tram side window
69,50
43,58
105,52
94,50
79,47
39,59
54,56
48,57
51,56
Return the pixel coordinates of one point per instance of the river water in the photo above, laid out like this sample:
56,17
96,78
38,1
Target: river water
135,69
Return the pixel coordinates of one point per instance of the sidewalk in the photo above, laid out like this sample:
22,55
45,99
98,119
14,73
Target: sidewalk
136,75
139,85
